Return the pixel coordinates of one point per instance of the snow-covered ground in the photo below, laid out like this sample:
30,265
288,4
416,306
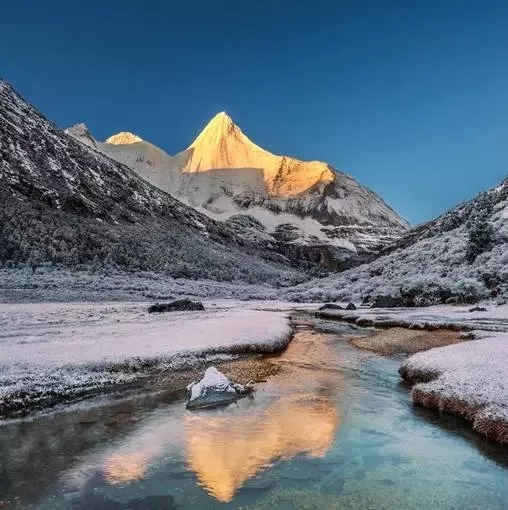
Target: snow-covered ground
494,318
469,379
51,352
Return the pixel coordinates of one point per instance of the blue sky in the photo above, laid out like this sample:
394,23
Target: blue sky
409,97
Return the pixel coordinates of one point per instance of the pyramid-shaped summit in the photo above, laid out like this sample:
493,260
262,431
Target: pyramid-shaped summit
225,174
221,144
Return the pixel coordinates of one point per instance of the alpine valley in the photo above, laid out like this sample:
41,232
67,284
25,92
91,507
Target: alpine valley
224,210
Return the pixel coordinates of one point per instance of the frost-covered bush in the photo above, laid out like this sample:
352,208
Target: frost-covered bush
480,230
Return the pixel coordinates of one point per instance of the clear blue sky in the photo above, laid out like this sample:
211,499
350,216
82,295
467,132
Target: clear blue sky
410,97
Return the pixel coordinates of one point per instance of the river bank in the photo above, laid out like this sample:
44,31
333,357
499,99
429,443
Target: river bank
54,353
463,367
57,354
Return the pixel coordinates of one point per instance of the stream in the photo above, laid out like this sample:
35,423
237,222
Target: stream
334,427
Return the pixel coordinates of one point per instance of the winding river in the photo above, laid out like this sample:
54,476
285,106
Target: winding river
333,427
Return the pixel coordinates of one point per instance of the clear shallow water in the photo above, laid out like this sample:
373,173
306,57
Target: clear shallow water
334,428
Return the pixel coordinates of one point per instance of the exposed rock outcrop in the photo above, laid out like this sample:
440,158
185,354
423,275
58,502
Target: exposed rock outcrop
180,305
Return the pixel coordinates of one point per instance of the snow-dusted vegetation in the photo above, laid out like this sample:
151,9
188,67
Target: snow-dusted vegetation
435,262
55,352
66,285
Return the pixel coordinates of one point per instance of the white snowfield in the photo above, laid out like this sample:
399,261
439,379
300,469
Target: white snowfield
64,350
475,373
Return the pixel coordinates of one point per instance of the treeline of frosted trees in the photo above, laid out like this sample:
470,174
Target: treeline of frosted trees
34,235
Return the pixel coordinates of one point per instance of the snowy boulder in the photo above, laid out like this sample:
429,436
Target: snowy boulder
213,390
180,305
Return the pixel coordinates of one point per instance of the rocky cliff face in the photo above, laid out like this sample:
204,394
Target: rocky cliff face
66,203
461,256
223,173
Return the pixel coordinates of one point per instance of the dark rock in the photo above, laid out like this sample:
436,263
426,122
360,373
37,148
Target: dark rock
387,302
351,306
478,309
180,305
367,299
364,323
331,306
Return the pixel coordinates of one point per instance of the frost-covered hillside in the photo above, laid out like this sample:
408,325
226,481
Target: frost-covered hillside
223,174
66,204
460,256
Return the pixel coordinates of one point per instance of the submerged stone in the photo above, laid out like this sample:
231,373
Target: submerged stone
213,390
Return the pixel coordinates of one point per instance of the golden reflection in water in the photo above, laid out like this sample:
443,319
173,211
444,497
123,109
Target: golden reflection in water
121,468
226,450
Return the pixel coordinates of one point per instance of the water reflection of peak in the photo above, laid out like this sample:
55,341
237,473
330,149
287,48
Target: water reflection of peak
225,450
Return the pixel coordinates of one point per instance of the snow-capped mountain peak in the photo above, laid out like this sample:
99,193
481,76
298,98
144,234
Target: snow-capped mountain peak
222,144
306,203
123,138
220,123
81,133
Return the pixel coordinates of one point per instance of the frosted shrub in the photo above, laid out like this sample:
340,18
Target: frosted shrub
480,230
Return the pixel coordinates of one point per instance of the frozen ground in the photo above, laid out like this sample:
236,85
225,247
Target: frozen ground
469,379
495,318
49,284
52,352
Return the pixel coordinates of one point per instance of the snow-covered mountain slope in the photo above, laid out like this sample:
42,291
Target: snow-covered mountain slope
460,256
66,203
222,173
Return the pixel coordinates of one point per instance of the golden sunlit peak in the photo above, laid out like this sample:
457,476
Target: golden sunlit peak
221,121
222,115
123,138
